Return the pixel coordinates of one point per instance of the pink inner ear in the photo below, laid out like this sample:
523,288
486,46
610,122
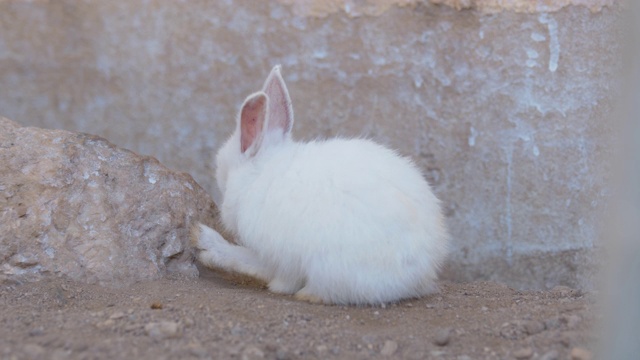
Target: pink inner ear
252,121
280,113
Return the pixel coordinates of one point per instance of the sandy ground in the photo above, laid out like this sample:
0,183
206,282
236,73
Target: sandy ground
214,317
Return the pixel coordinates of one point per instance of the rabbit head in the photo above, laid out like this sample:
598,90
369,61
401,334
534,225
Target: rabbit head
265,121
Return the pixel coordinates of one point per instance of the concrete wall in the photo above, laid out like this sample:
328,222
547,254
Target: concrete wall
508,113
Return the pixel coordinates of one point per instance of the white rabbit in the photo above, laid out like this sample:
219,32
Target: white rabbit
344,221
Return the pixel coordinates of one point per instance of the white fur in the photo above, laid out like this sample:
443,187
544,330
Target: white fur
340,221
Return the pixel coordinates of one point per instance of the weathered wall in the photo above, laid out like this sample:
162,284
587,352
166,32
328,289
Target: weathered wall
508,114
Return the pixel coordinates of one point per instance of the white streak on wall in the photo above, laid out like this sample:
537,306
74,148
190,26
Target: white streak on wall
472,136
537,37
554,43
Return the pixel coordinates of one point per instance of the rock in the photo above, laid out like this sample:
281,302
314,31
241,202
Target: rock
565,338
550,355
196,349
33,351
237,330
580,354
116,315
282,354
533,327
188,322
105,324
525,353
36,332
389,348
572,320
163,330
513,331
252,352
60,354
552,323
442,337
77,205
156,305
321,349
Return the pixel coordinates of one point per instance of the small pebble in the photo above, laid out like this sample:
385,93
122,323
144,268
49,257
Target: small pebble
565,339
580,354
552,323
389,348
132,327
36,332
551,355
33,351
252,352
525,353
156,305
442,337
534,327
282,355
237,330
572,321
321,349
163,330
60,354
116,315
105,324
197,350
188,322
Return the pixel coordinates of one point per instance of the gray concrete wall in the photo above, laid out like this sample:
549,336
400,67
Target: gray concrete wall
508,113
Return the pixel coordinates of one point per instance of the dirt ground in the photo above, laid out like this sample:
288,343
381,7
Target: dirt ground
214,317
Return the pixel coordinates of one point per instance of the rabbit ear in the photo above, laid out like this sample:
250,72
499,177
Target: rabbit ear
280,111
252,122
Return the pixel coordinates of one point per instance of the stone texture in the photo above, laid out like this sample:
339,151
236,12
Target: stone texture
508,114
74,204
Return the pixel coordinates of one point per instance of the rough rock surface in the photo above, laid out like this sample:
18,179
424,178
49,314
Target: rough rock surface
75,204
